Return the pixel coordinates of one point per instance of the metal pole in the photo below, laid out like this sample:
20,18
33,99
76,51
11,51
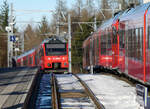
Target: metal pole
91,55
91,63
95,26
8,49
22,42
57,25
58,19
11,34
10,44
69,42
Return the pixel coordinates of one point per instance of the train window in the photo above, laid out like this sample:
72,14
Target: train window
31,60
35,59
139,47
133,43
55,49
24,62
18,64
97,46
103,44
136,43
109,44
148,37
141,42
126,43
27,60
93,50
87,55
42,52
129,42
114,35
97,43
121,39
109,40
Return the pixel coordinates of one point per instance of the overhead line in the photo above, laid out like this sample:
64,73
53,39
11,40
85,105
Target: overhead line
34,11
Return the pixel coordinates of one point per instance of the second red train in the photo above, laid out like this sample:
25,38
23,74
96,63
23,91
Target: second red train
122,43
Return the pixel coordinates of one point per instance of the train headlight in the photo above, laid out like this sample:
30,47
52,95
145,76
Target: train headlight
63,58
49,58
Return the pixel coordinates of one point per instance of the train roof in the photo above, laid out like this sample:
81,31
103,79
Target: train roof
110,21
26,53
133,13
54,39
104,25
123,15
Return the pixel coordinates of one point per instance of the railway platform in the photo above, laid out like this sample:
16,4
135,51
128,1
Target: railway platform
15,87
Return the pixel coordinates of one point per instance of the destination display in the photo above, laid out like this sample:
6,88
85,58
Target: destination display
55,45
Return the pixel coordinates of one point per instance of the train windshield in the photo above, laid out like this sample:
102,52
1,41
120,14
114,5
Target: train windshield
55,49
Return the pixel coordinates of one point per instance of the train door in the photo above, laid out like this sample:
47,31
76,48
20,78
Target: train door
147,51
122,36
115,46
93,51
126,50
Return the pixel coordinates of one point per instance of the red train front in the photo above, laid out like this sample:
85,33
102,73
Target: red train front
54,55
51,55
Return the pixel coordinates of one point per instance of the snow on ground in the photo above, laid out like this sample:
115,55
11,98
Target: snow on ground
68,82
112,93
76,103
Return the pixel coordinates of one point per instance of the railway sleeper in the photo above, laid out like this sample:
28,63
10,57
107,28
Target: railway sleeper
72,94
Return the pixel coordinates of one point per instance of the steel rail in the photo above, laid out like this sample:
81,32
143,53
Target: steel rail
55,99
90,94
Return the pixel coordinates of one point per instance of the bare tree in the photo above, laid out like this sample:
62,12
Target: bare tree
31,40
104,6
90,7
79,6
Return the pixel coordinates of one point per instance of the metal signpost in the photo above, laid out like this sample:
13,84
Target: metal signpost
11,38
141,95
69,42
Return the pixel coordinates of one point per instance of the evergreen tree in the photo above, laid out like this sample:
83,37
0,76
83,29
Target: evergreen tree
4,11
44,27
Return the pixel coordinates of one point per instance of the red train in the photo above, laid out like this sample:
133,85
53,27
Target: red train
122,43
52,54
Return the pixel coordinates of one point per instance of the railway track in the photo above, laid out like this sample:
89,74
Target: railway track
70,92
55,96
